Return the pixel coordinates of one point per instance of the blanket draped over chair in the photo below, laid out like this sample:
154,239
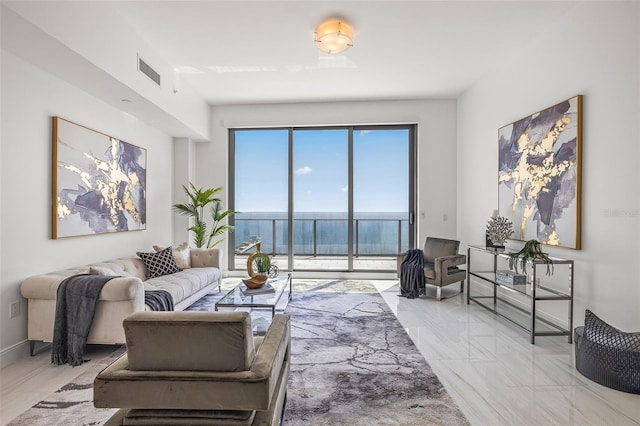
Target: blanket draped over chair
76,302
412,274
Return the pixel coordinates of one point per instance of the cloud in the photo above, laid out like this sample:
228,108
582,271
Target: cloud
304,170
344,188
363,132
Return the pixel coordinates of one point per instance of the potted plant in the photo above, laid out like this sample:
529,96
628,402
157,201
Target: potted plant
258,263
532,250
263,264
199,199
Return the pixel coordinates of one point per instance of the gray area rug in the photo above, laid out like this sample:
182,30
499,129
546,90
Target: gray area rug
72,404
352,364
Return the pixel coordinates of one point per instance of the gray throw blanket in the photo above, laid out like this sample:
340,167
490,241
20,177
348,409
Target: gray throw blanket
76,302
412,274
158,300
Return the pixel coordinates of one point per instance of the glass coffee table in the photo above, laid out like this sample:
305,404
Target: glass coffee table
241,297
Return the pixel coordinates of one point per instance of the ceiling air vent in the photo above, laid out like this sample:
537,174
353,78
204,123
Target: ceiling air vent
148,71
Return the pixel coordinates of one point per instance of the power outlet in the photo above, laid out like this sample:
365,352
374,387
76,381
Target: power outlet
14,309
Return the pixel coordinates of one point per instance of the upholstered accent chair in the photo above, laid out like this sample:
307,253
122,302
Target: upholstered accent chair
205,368
441,261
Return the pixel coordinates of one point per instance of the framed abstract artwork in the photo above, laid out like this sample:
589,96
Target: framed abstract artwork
99,182
539,174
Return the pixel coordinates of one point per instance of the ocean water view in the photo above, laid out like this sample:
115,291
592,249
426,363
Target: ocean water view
324,173
324,233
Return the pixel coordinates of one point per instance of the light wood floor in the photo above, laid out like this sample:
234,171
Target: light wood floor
486,364
28,381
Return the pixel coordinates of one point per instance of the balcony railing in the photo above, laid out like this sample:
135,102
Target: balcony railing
323,236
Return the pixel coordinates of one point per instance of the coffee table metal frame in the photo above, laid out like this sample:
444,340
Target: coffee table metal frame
235,298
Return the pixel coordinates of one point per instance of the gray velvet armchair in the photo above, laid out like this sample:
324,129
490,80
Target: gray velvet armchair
204,368
441,261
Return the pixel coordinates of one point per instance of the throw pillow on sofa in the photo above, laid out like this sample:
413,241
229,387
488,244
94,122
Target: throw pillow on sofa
181,254
160,263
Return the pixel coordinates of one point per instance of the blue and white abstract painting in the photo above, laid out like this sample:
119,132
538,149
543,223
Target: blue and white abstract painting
99,182
539,175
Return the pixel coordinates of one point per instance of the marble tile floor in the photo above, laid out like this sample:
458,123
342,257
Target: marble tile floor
486,364
496,376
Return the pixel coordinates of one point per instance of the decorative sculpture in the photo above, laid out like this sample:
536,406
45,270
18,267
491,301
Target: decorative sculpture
499,229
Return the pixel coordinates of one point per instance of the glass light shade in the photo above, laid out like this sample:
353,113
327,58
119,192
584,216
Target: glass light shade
334,37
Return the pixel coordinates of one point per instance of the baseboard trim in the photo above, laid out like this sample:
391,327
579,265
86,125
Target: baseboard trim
14,353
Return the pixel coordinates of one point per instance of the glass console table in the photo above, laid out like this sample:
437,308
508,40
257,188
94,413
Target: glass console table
519,302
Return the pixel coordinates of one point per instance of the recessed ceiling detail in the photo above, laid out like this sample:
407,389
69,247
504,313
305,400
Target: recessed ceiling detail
402,49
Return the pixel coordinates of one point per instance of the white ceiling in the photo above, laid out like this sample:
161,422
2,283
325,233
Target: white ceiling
239,51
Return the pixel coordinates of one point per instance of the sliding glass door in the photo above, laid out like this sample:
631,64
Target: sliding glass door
259,186
323,199
381,196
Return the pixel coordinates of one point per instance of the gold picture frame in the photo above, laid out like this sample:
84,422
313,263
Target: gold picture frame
540,174
98,182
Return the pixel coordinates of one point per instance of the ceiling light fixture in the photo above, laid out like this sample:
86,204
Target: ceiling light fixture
334,36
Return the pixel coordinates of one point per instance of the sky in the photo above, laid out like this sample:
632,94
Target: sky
320,170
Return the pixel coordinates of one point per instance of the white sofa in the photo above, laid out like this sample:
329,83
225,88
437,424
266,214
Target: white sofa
120,297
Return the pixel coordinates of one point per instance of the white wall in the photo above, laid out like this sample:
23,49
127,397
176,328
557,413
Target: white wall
594,52
436,145
30,96
183,173
103,61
